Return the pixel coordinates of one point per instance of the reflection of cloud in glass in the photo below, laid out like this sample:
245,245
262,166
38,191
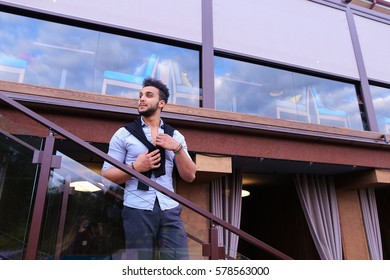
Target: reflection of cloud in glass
59,55
381,101
382,104
380,97
235,86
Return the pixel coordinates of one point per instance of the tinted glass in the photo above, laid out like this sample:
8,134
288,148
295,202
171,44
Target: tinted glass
61,56
270,92
381,100
83,214
17,184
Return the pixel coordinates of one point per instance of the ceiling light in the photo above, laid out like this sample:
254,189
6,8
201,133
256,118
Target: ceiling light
84,186
245,193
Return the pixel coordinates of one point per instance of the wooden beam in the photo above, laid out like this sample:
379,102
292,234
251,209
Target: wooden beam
364,179
210,166
124,104
213,163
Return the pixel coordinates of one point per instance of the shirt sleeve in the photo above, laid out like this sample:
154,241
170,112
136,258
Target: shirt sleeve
180,138
117,147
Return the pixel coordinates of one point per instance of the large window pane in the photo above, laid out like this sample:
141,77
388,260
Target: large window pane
381,100
50,54
83,214
60,56
17,184
123,62
296,32
176,18
375,60
265,91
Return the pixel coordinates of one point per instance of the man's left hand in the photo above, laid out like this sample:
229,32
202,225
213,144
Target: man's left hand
167,142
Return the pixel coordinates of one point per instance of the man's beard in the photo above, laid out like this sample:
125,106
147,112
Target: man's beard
148,112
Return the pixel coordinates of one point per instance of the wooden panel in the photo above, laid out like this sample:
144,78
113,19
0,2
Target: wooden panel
195,224
383,176
213,163
211,167
352,228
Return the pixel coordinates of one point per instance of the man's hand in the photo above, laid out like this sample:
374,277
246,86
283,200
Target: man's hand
147,161
166,141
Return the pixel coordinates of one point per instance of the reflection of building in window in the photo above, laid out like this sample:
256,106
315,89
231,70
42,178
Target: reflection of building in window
327,115
12,66
381,101
128,80
294,107
182,90
305,105
69,68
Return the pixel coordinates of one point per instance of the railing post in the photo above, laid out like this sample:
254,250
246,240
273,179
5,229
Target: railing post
47,161
212,250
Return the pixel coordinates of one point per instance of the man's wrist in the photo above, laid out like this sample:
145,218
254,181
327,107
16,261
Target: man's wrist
178,149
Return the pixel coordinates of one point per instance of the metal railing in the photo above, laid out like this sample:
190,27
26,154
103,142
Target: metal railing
49,161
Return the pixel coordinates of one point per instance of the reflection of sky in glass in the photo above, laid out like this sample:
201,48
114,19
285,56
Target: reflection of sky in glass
57,55
381,100
250,88
63,56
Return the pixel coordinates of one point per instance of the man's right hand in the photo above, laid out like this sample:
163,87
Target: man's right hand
147,161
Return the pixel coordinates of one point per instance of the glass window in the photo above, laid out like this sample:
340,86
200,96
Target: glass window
375,61
285,31
83,217
17,186
60,56
122,63
381,100
48,54
255,89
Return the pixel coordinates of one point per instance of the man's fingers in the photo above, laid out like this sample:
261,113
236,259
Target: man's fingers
154,153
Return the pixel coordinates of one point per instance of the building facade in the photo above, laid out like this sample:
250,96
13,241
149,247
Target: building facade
287,101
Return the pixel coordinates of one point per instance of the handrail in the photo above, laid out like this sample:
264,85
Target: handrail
16,139
214,219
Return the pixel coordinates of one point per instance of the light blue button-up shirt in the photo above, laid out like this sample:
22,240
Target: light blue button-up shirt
125,148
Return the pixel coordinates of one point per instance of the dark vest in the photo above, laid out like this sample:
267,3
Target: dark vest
135,128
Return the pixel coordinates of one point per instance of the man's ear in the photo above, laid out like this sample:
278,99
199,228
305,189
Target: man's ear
161,103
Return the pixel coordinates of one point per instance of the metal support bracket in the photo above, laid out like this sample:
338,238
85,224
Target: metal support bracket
55,160
212,250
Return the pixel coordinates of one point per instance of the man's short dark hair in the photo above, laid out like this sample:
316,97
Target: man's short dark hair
163,89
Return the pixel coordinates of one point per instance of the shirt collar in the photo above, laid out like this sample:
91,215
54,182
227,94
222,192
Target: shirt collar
143,123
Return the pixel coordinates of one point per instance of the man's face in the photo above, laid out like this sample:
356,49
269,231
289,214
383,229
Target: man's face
149,101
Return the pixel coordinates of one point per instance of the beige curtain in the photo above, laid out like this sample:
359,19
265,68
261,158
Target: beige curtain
226,202
371,223
318,199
